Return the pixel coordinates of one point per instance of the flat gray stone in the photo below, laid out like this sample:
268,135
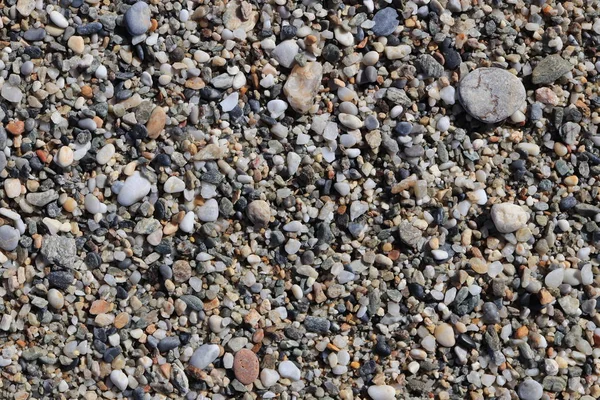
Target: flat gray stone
491,94
550,69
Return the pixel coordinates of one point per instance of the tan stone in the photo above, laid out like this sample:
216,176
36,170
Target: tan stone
156,123
303,85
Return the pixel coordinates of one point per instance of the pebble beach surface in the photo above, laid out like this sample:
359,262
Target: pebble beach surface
308,199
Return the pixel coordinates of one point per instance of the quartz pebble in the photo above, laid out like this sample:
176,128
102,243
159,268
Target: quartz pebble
382,392
508,217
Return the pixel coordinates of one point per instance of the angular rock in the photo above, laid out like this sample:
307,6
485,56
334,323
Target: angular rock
550,69
302,86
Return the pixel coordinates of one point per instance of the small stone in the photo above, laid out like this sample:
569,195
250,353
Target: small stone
182,271
137,19
174,185
530,390
285,53
65,156
444,334
119,379
288,369
156,123
350,121
491,94
259,213
550,69
135,188
105,154
209,212
187,223
56,299
268,377
509,217
9,238
169,343
385,22
429,67
204,356
11,93
12,188
382,392
246,366
302,86
25,7
76,44
58,19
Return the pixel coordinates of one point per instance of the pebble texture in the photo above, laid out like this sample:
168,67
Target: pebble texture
292,199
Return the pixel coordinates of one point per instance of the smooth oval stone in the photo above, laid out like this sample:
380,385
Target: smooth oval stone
382,392
135,188
246,366
204,355
491,94
137,19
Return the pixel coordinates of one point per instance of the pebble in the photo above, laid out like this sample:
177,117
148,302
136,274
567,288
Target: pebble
134,189
119,379
174,185
12,188
550,69
204,356
385,22
65,156
137,18
268,377
508,217
302,85
530,390
56,299
246,366
58,19
77,44
382,392
209,212
444,335
491,94
288,369
105,154
9,238
285,53
156,123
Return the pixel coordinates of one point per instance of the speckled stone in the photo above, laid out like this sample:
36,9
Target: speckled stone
491,94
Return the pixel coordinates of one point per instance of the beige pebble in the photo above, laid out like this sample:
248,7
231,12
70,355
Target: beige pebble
65,156
572,180
560,149
76,44
12,188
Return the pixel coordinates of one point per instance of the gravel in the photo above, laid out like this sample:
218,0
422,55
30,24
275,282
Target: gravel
299,199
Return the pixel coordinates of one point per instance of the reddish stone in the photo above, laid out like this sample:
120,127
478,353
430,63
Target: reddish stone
246,366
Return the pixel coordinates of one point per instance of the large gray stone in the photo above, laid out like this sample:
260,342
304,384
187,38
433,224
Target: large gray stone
491,94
